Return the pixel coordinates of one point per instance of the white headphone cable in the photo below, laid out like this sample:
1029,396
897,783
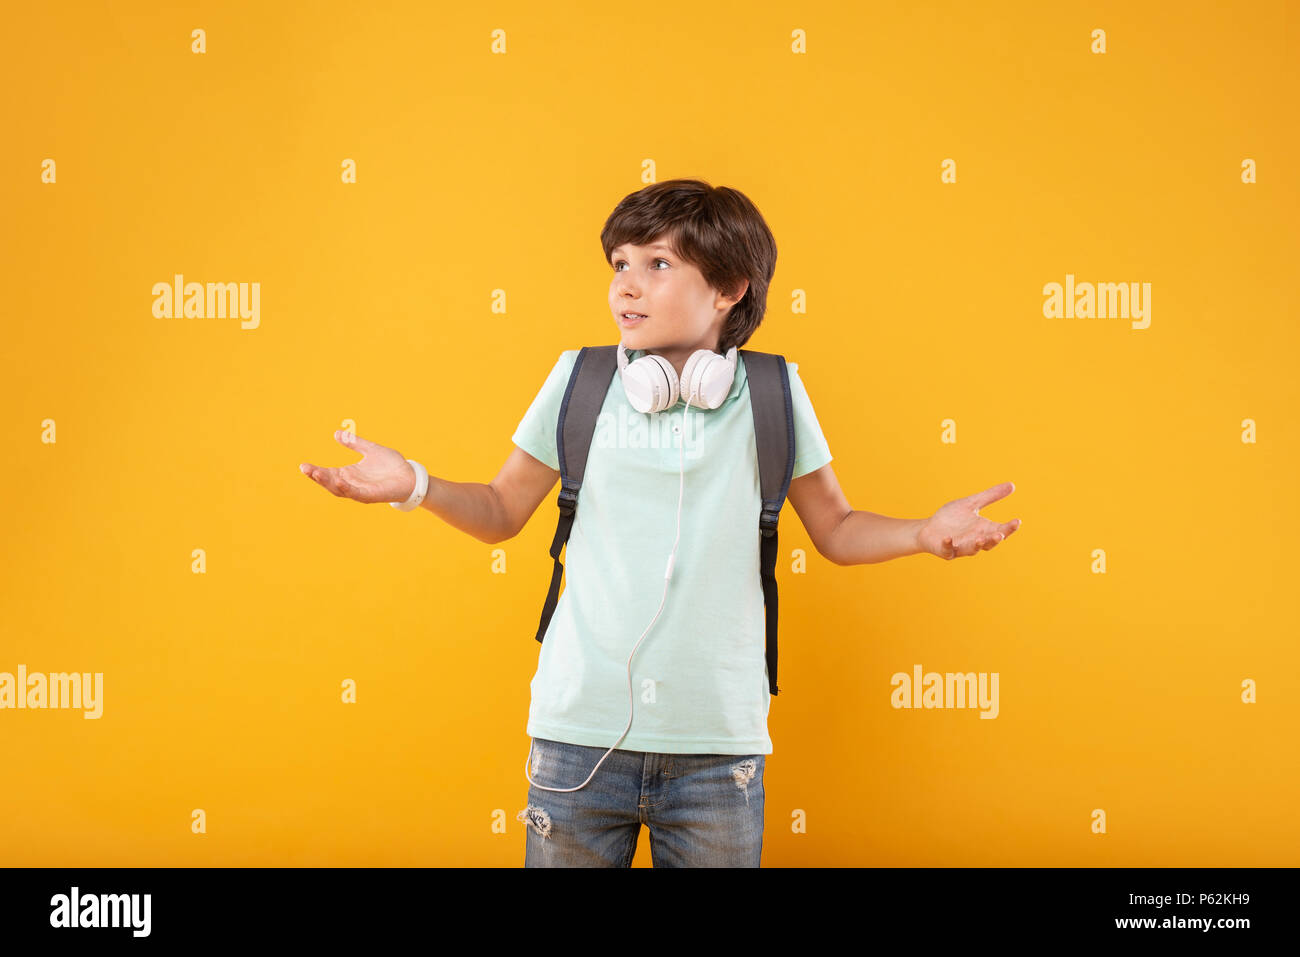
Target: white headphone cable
668,574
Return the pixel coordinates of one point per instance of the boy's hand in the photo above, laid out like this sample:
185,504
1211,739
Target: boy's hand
382,475
957,530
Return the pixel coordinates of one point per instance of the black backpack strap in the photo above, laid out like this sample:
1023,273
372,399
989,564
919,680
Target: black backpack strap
769,397
583,398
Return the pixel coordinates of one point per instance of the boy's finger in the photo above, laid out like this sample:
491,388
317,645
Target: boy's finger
326,478
354,441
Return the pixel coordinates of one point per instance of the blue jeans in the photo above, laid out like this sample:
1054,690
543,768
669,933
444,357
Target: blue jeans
703,810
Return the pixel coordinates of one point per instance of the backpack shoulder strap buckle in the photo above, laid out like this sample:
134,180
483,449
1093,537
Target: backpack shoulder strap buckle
568,497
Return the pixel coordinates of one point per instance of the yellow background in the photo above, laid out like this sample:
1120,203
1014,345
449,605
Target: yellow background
481,171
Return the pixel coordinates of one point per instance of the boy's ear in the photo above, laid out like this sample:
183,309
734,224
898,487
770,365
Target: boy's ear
739,294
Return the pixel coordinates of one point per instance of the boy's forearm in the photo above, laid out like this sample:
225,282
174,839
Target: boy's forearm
863,538
472,507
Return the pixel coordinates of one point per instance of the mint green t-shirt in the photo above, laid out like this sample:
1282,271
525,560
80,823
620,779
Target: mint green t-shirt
699,678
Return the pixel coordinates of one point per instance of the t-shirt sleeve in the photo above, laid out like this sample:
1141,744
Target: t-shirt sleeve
810,449
536,431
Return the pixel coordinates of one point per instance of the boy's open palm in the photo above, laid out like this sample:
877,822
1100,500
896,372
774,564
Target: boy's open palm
957,530
382,475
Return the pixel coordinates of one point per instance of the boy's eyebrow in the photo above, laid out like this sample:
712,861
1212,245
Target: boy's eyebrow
655,246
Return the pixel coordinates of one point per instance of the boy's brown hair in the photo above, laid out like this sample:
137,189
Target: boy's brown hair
715,228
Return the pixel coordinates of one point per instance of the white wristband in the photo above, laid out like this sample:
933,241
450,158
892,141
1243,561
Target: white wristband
418,493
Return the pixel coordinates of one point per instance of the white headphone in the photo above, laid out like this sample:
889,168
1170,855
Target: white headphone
651,386
651,382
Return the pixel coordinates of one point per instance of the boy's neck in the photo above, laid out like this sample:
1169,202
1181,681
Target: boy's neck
677,357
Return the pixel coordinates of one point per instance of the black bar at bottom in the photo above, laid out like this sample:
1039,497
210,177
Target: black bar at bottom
330,905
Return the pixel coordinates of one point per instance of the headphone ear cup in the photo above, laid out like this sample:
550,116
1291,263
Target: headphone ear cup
651,384
668,385
707,379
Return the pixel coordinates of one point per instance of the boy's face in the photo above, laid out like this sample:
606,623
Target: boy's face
683,312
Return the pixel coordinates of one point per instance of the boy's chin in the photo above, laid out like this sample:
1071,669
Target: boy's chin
637,338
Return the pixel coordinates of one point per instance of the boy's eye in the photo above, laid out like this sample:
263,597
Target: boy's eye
619,262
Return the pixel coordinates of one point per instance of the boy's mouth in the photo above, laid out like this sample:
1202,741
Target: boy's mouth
632,318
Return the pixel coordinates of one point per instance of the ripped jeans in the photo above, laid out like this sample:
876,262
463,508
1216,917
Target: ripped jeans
703,810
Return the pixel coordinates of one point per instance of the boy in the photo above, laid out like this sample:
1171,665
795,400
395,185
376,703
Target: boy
690,267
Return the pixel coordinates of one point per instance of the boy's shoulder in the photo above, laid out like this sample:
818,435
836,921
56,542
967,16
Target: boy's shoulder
568,358
564,363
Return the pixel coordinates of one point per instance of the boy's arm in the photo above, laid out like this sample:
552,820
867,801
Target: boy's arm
498,510
839,532
846,536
